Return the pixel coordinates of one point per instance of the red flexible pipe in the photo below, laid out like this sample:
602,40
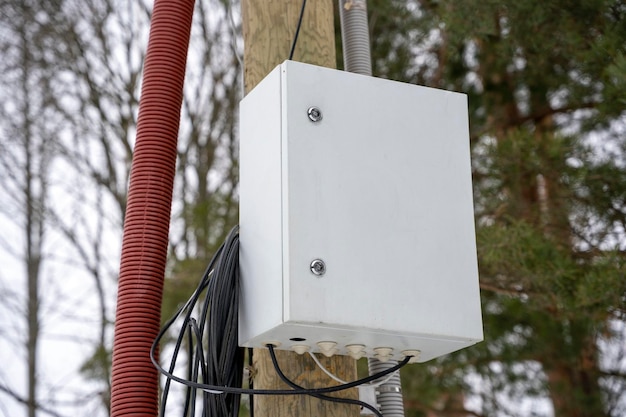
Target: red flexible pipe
146,227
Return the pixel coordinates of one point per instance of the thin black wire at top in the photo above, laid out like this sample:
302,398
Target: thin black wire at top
295,36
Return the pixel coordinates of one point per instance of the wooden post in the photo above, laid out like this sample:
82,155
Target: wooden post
268,30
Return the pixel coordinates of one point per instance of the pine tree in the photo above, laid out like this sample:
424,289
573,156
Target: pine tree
547,84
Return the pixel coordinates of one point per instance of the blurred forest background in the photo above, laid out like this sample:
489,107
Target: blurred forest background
546,82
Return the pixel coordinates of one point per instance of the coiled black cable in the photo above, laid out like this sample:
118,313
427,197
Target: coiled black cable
222,363
220,367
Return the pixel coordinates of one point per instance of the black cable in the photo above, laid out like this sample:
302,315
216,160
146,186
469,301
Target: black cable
320,396
177,346
295,36
216,389
251,382
188,392
221,367
219,313
199,363
225,359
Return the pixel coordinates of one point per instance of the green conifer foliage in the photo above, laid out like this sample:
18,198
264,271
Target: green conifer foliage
547,92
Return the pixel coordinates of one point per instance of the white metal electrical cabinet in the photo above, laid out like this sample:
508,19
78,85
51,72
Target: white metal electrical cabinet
356,216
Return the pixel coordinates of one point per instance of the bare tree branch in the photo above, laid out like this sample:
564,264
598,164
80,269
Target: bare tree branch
26,402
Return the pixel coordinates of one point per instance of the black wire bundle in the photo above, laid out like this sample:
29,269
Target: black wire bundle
218,372
222,363
226,359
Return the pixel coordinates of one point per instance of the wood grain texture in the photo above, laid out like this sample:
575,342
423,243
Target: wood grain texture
303,371
268,29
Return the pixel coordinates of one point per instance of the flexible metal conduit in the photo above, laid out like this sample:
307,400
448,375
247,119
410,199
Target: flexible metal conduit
146,226
389,394
355,36
355,39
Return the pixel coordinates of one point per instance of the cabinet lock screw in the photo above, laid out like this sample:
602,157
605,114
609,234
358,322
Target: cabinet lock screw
315,114
318,267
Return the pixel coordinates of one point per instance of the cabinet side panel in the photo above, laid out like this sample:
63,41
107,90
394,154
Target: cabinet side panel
260,256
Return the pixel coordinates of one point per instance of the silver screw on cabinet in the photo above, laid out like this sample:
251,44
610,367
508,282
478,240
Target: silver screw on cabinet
318,267
315,114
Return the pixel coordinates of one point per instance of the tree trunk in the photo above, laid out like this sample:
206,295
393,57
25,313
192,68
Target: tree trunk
573,380
33,200
268,30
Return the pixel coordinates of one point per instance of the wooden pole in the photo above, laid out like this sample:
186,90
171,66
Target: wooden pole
268,30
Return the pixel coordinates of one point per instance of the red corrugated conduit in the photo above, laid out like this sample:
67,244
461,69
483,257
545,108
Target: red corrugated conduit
146,227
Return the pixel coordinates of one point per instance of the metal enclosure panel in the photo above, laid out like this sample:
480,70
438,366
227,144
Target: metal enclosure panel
260,254
380,190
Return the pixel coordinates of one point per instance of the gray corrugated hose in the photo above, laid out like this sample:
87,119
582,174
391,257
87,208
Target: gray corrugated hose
357,58
389,394
355,36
